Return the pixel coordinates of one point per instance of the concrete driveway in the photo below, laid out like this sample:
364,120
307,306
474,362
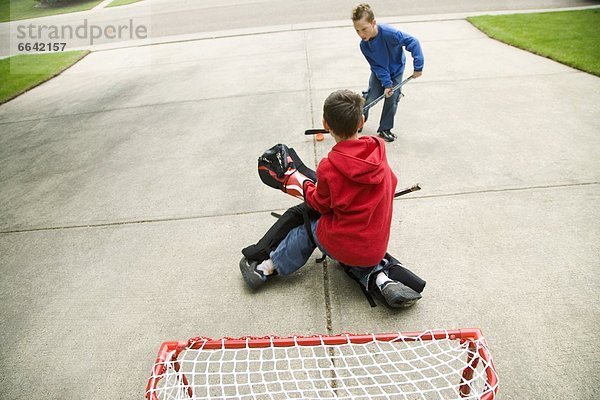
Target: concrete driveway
128,186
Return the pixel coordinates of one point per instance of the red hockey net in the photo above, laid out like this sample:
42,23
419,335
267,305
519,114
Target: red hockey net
435,364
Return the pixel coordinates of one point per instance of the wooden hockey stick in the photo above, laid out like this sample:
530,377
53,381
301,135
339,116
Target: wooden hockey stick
367,107
402,192
413,188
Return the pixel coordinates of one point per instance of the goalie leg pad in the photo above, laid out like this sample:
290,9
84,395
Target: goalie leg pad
398,272
276,233
410,289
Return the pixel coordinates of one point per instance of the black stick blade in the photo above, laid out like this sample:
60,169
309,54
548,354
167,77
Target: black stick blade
315,131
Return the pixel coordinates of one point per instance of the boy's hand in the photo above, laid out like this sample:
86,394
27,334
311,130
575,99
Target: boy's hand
417,74
388,92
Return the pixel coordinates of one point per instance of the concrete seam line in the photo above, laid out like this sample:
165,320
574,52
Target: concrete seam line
515,189
204,61
309,88
311,110
327,295
194,217
326,291
228,36
475,79
130,222
254,94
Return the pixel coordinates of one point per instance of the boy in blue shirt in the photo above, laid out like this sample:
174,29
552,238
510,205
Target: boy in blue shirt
383,47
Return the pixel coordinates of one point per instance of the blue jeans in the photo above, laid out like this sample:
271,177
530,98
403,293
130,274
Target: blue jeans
390,105
295,250
364,275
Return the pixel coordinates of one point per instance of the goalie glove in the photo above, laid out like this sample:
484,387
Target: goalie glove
278,168
294,183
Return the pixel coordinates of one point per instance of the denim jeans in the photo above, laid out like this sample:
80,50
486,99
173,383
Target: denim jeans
390,104
295,250
364,275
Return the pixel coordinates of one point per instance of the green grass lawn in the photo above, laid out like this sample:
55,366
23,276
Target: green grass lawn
569,37
11,10
121,2
20,73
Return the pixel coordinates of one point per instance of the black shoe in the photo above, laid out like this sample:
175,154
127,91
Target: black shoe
398,295
387,135
253,277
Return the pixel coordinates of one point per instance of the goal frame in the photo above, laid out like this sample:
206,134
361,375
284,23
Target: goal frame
169,352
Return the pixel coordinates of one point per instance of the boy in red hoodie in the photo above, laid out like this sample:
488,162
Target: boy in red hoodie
353,195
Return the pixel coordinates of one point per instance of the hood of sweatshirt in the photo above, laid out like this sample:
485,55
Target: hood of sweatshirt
362,161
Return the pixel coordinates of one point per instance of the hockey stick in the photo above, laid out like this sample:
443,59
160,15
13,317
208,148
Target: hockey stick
365,108
315,131
377,100
402,192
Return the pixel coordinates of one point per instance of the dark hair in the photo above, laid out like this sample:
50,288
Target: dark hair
361,11
343,112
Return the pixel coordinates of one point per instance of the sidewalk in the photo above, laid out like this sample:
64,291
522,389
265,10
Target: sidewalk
128,186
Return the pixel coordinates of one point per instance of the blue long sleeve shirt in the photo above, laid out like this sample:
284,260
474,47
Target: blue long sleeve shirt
385,53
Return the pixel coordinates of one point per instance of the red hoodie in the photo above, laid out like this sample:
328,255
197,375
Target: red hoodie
354,195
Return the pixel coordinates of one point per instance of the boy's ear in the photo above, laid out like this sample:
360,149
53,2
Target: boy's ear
326,125
362,122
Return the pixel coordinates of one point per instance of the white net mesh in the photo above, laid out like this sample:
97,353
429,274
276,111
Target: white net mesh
431,365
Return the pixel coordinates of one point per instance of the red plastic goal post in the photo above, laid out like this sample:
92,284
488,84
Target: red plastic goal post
448,364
